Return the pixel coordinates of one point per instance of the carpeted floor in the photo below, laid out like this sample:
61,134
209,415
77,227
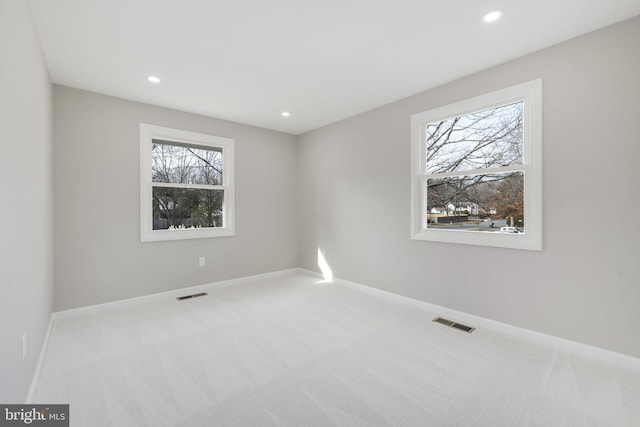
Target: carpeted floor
292,351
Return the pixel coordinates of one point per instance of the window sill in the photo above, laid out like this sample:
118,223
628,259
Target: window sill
525,241
198,233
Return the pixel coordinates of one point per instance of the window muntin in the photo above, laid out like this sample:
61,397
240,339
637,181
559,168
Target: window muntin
477,168
186,184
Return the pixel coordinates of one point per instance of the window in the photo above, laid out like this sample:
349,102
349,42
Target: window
476,170
186,184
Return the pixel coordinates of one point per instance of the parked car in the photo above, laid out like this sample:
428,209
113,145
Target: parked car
513,230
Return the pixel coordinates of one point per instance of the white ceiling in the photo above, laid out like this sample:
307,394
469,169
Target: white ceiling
322,60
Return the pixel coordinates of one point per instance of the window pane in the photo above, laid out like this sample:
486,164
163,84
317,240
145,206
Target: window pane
485,202
489,138
186,164
186,208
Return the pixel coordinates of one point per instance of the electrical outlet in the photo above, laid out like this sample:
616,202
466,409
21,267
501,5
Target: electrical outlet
202,261
24,345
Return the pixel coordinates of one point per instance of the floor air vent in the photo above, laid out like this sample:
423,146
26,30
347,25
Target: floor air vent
201,294
454,324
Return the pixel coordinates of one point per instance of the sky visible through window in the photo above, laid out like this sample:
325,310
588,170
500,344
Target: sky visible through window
186,164
466,190
193,206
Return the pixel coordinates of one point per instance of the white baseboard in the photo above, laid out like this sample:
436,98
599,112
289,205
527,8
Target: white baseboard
584,350
36,375
137,301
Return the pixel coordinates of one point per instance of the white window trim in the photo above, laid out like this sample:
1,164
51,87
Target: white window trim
531,94
150,132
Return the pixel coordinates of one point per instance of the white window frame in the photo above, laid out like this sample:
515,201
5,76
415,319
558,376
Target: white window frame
150,132
530,93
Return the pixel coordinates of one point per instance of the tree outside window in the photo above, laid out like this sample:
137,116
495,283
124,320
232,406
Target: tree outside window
476,170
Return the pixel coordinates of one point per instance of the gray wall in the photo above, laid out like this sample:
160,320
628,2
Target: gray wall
354,200
26,278
98,254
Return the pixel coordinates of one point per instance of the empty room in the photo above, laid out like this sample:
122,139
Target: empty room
336,213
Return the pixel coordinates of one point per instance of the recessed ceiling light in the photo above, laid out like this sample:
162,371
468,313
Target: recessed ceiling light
153,79
286,114
493,16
